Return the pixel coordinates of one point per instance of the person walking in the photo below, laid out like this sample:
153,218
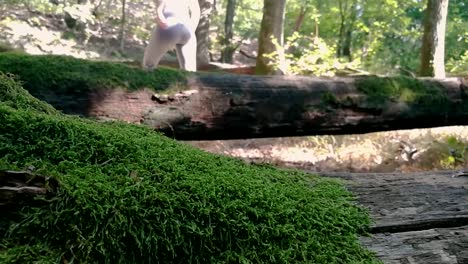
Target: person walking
176,22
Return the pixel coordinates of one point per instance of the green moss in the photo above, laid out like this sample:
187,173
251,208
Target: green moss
130,195
380,90
71,75
12,94
5,47
329,98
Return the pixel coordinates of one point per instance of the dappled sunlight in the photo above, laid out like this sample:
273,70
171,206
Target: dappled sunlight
399,150
41,40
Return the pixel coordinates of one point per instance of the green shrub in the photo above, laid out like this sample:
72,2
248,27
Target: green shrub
130,195
458,67
309,55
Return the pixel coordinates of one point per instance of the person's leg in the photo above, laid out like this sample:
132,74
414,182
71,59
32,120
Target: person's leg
161,42
187,54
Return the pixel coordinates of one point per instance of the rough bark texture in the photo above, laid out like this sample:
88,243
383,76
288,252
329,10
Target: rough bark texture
300,19
433,246
420,218
235,106
271,29
21,187
228,47
203,33
348,16
433,44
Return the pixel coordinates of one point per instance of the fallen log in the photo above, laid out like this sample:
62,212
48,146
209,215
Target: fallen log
22,187
224,106
432,246
403,202
419,218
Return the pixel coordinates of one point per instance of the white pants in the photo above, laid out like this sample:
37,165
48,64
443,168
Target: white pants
176,36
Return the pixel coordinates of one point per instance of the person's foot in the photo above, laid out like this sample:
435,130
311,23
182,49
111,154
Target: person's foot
148,68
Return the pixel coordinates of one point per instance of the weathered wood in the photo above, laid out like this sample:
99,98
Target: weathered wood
420,218
414,201
433,246
20,187
227,106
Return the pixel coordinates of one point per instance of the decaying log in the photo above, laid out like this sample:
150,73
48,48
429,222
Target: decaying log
224,106
22,187
419,218
433,246
402,202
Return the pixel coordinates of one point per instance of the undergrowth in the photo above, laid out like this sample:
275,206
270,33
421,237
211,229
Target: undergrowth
130,195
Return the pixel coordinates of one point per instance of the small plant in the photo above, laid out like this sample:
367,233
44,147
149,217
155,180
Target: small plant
459,67
455,155
308,55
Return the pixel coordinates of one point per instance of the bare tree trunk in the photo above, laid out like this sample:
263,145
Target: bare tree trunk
228,47
342,5
122,26
433,43
348,17
300,19
203,33
272,28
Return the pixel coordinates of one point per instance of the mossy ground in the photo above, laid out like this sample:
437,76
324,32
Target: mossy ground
41,73
130,195
411,91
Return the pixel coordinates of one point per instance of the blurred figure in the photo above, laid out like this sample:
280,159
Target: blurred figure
176,22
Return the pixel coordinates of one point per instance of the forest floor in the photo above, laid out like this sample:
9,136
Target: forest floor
400,151
404,151
412,150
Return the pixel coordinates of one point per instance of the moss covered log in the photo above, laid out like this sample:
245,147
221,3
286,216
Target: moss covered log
223,106
125,194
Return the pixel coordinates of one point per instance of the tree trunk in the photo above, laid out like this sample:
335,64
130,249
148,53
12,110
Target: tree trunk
300,19
233,106
122,26
348,17
433,43
271,30
228,47
341,7
203,33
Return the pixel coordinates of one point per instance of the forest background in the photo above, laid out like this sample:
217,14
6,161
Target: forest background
335,37
320,37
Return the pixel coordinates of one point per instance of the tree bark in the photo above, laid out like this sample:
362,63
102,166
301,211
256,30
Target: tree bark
271,30
123,21
203,33
228,47
433,43
300,19
22,187
235,106
348,16
421,216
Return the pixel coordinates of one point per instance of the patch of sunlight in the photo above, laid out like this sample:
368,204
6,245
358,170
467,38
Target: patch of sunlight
41,40
407,95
